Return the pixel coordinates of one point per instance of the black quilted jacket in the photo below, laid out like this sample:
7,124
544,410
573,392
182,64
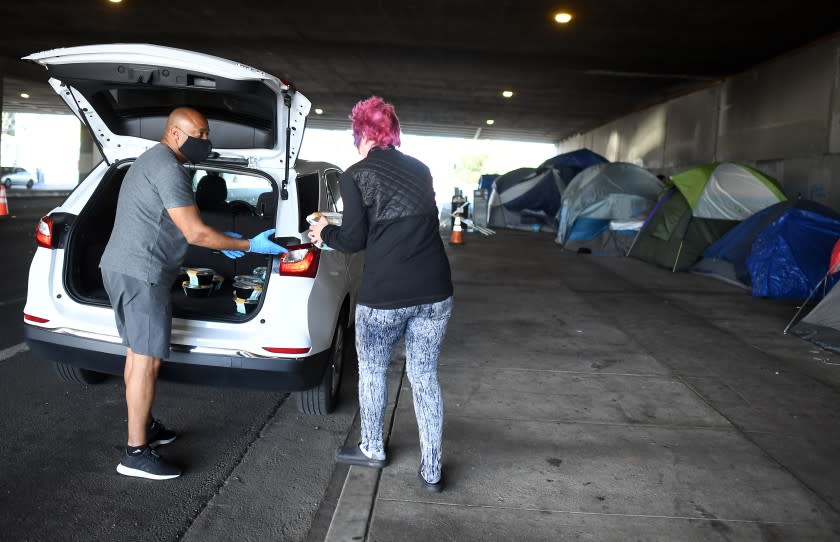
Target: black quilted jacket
390,212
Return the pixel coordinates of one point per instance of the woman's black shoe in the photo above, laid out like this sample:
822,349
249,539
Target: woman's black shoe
437,487
352,455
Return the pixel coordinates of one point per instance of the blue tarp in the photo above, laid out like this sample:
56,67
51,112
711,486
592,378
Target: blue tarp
730,252
570,164
790,256
486,181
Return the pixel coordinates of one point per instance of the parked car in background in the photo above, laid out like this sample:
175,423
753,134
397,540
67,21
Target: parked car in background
11,176
273,322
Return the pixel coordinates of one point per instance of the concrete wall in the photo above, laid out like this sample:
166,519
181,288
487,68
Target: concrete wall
782,117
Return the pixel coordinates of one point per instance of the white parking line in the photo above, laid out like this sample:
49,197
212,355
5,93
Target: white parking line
13,351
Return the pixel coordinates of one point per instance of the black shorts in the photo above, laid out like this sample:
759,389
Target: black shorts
143,313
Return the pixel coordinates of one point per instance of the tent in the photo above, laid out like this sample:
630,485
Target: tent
821,326
571,163
485,181
800,222
598,195
789,258
699,206
524,197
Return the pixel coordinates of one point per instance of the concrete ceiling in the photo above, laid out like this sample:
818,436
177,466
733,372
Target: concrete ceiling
443,63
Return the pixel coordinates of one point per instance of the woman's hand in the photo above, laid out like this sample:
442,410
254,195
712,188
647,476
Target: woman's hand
315,231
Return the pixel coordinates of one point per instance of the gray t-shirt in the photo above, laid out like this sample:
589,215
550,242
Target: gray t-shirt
145,243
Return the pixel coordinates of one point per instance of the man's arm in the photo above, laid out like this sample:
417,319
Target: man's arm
196,232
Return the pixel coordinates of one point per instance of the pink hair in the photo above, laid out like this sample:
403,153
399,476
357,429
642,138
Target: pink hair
376,120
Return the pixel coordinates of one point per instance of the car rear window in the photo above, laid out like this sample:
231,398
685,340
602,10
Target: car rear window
307,190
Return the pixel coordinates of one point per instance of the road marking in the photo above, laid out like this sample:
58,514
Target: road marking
13,351
12,301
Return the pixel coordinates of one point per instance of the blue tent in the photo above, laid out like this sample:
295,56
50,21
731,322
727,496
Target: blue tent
726,258
524,197
570,164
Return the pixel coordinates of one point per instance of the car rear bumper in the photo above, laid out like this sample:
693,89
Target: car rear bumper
281,374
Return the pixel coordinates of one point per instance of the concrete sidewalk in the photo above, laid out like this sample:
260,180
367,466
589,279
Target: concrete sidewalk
594,398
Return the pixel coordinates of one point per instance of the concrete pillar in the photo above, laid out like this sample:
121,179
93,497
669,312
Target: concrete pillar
89,154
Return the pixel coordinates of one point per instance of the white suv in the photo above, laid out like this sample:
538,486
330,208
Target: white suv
293,337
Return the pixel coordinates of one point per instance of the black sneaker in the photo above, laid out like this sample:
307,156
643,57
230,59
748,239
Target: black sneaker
157,434
147,463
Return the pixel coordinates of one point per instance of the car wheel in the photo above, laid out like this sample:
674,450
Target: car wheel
75,375
322,399
7,183
29,183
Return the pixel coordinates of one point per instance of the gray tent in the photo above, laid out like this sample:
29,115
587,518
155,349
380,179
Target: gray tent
599,197
821,326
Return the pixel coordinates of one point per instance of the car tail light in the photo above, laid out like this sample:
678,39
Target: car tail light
279,350
36,319
300,261
44,232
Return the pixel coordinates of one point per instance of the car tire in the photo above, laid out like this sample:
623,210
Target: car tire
7,183
76,375
323,398
29,183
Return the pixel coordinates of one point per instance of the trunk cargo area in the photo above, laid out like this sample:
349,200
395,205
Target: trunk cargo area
91,230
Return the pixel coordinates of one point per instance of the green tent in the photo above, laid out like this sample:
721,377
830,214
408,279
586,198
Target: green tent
697,207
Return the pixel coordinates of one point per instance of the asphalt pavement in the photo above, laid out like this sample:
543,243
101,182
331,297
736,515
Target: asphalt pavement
60,444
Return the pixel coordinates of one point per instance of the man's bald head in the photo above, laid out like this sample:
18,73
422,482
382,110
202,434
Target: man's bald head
183,122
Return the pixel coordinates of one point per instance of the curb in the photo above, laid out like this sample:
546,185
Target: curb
352,516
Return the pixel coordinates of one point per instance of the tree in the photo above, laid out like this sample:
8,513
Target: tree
8,124
469,168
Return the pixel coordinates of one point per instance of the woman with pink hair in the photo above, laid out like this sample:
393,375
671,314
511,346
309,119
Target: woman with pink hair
390,212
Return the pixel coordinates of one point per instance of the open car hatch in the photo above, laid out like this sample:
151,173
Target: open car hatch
124,93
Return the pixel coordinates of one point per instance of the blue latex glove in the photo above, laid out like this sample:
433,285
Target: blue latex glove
233,254
261,245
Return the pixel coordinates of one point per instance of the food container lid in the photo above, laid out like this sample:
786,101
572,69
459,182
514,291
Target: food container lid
199,270
332,217
186,284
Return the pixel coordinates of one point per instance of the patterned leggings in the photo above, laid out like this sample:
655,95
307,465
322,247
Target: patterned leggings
377,333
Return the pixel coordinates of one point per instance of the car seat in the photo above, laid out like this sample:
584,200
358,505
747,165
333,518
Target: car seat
210,196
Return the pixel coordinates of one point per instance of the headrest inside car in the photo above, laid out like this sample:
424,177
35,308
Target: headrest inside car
211,192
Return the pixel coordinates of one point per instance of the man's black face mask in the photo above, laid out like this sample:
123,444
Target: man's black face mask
196,150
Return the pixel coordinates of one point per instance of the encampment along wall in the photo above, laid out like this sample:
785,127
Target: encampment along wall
781,116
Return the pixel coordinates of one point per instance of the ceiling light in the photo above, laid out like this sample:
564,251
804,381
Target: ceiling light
490,122
24,95
563,17
319,111
115,1
507,93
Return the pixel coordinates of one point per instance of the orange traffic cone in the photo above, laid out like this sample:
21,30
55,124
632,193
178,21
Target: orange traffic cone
457,237
4,203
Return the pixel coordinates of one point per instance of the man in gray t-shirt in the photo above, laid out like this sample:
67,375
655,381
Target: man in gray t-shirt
156,219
